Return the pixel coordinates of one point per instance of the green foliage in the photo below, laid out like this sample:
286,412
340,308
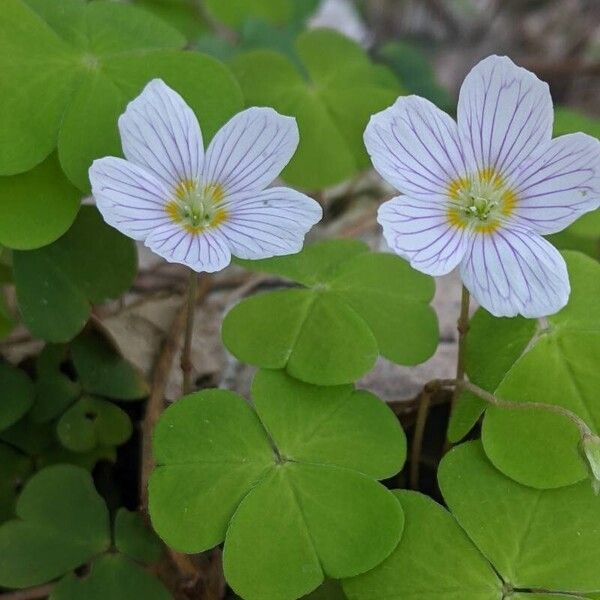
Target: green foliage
86,61
37,206
134,539
183,15
331,94
415,72
15,468
57,284
540,448
355,305
102,371
92,422
16,395
61,523
500,536
294,495
235,13
113,577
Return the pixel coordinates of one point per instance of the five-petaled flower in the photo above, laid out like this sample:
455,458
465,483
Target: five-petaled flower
195,208
482,191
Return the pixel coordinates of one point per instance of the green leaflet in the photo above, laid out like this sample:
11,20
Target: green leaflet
292,487
499,540
332,94
56,284
354,306
539,448
61,523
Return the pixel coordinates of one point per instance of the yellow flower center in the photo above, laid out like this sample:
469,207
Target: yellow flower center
197,207
481,201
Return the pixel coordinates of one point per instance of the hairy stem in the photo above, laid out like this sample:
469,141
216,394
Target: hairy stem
186,359
581,425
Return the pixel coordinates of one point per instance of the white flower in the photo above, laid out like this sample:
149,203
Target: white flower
481,193
199,209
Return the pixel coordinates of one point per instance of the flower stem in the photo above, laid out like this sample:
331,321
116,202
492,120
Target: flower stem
463,328
186,361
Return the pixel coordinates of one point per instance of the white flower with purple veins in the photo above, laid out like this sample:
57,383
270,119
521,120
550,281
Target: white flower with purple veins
200,209
480,193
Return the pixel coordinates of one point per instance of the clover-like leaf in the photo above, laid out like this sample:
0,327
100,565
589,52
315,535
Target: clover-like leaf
355,305
37,206
86,61
16,394
234,13
134,539
15,467
332,95
295,495
54,393
114,577
183,15
103,371
536,447
500,540
61,523
93,422
56,284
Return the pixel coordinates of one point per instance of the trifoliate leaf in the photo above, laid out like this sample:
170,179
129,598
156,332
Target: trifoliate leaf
134,538
55,285
500,540
535,539
434,560
15,468
70,67
332,95
537,447
93,422
103,371
61,523
37,206
354,306
294,495
16,395
114,577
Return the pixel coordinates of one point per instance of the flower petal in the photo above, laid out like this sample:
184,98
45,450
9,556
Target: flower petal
160,132
421,232
250,151
414,146
204,252
268,223
516,271
504,114
129,198
559,184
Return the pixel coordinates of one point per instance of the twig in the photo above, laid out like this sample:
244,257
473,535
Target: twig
186,359
417,444
32,593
